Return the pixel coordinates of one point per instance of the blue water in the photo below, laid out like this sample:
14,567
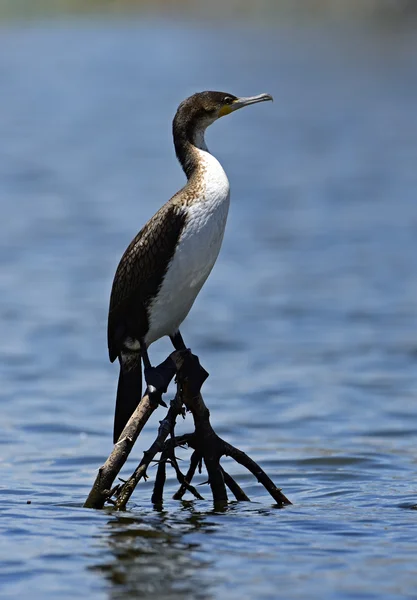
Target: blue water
307,325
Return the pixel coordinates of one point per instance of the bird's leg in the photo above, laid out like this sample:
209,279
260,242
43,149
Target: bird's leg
177,341
155,378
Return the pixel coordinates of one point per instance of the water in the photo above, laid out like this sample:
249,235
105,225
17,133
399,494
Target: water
307,324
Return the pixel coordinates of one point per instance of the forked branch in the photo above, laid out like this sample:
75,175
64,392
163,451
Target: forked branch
207,445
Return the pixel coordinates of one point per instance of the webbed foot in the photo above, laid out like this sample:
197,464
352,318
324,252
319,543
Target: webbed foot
157,384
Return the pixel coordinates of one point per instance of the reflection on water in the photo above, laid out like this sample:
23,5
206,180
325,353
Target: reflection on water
151,557
163,554
307,324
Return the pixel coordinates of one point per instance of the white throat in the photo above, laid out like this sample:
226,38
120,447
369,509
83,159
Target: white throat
215,188
199,140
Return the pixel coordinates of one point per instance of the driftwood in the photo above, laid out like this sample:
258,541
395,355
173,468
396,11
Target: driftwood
207,445
102,491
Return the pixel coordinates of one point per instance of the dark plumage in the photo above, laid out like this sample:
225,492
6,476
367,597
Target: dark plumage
139,275
136,283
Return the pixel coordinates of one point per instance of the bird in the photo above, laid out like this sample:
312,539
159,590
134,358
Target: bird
165,266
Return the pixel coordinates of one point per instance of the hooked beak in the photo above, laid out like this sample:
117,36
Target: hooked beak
241,102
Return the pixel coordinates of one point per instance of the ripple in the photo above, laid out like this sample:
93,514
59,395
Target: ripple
306,325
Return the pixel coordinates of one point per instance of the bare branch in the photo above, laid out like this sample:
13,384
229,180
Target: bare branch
158,488
244,460
194,460
208,446
234,487
166,426
101,490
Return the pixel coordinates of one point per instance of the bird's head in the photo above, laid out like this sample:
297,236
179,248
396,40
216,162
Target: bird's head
199,111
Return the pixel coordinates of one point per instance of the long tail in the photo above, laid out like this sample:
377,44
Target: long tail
129,390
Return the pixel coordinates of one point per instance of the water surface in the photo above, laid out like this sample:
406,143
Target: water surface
307,324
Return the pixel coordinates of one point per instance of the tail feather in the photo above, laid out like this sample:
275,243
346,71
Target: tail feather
129,391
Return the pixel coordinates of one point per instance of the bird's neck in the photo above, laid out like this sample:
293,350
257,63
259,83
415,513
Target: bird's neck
203,170
190,148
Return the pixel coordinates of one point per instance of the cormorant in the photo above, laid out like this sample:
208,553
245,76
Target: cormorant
167,263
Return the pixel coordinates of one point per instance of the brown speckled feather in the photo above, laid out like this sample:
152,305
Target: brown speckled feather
140,274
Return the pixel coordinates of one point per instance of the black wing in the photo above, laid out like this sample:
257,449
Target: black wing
140,274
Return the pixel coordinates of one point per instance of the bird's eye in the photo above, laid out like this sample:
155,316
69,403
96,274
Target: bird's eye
228,100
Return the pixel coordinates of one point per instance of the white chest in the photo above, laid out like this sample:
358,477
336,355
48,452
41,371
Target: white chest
196,252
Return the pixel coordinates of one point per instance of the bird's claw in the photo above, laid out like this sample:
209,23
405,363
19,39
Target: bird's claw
154,377
155,395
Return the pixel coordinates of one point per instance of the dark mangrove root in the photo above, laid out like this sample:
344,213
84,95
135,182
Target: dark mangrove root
185,481
182,479
207,445
216,480
234,487
101,490
244,460
158,488
195,460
